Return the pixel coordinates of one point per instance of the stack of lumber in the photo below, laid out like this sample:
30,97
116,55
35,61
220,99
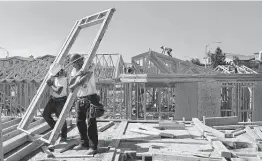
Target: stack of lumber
218,138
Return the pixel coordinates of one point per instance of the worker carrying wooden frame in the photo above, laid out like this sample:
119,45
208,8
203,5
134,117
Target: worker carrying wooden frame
102,18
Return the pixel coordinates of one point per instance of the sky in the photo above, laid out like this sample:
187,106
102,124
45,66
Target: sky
40,28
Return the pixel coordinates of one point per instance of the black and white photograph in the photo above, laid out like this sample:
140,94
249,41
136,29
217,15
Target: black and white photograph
130,80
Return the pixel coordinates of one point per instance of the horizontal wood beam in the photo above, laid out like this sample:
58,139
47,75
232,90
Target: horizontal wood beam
17,132
23,138
175,141
171,78
11,123
106,126
217,121
9,129
21,153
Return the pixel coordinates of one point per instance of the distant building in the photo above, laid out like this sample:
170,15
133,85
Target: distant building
230,57
258,56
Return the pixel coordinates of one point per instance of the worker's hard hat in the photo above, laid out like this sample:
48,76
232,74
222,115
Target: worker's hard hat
75,57
55,69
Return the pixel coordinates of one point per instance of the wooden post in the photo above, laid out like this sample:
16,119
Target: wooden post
26,95
1,138
130,98
114,101
144,100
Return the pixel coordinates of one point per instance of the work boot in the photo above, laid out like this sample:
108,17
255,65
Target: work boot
91,151
63,139
82,146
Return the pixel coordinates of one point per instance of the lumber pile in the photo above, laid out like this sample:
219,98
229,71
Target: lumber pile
226,139
234,138
156,131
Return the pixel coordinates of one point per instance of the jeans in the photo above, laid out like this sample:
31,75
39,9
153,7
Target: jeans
88,134
55,105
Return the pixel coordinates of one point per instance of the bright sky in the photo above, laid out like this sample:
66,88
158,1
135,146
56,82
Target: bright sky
39,28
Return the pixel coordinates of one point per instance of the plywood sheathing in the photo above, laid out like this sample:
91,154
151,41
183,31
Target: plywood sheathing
257,102
209,99
186,100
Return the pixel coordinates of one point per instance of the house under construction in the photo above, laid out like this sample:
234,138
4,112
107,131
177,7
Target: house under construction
153,111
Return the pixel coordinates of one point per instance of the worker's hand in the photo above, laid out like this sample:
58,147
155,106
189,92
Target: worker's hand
59,90
72,88
50,82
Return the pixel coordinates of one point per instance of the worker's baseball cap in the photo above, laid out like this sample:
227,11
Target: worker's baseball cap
55,69
75,57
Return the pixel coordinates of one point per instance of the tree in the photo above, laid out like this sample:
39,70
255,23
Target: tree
196,62
218,58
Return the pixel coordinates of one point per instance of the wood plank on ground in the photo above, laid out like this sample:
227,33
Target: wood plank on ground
9,129
170,156
17,132
171,124
218,121
228,127
23,138
174,141
11,123
115,141
6,119
217,144
206,129
106,126
161,133
21,153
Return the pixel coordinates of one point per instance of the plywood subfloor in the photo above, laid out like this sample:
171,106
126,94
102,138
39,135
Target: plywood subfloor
104,140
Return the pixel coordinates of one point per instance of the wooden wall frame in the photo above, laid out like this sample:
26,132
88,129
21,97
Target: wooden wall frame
102,18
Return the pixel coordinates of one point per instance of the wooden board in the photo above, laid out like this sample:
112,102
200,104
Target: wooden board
178,157
1,139
23,138
209,99
256,115
186,100
217,121
116,141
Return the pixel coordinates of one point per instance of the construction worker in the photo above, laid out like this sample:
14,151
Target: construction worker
58,93
86,98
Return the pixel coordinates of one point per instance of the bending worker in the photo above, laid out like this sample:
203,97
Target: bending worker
58,85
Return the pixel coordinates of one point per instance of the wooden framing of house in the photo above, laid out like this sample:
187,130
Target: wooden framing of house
19,93
198,91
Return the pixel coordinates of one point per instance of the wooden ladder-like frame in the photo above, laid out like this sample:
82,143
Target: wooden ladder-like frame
102,18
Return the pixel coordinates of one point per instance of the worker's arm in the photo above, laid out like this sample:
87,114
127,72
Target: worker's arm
57,90
50,83
79,79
